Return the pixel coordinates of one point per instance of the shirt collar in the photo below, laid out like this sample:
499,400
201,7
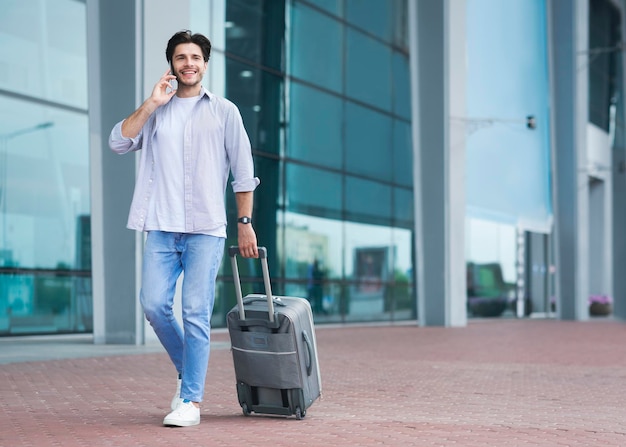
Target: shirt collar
207,93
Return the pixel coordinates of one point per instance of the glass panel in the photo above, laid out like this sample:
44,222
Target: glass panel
40,55
402,153
311,111
368,267
312,255
368,201
45,303
368,66
403,207
373,16
368,143
255,31
313,191
316,48
334,7
44,181
401,86
604,33
400,24
491,255
258,94
401,302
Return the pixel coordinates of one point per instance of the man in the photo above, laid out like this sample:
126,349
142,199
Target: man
190,139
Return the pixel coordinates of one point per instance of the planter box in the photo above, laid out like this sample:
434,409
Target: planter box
600,309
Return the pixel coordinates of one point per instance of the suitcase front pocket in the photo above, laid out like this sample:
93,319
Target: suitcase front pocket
266,360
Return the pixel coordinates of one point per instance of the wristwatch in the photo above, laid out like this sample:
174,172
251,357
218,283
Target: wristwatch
244,220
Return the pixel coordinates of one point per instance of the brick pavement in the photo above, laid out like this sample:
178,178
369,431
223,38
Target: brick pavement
493,383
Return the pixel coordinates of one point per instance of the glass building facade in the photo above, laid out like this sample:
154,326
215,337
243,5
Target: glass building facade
323,88
364,117
324,91
45,283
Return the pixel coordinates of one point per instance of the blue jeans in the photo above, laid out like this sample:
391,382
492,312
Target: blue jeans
166,255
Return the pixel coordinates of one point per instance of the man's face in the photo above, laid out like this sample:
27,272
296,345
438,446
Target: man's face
188,64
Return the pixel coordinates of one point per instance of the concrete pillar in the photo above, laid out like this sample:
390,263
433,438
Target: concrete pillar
569,84
437,43
113,66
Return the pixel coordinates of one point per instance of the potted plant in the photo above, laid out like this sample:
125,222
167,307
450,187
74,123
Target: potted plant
600,305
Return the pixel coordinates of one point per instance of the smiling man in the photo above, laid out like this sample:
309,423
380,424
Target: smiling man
190,140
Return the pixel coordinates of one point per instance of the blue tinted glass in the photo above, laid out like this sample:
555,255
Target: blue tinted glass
334,7
314,132
368,271
371,15
308,238
316,48
44,182
368,70
368,143
403,207
313,191
368,201
257,94
402,153
401,86
255,31
44,61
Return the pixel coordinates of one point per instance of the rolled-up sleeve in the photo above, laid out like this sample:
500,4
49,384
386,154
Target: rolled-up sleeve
246,185
121,144
240,153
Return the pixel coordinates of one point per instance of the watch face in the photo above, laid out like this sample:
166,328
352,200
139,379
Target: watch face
244,220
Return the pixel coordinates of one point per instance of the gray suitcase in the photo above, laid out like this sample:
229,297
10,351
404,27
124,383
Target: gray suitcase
274,349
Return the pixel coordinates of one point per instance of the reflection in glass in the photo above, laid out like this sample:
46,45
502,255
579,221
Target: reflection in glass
37,46
45,251
255,31
45,303
258,95
46,186
348,271
311,256
378,267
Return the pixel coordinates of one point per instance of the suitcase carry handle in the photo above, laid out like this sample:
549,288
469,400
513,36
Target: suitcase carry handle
253,299
309,351
233,252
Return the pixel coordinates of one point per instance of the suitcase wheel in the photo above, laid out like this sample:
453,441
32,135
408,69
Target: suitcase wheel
300,413
245,409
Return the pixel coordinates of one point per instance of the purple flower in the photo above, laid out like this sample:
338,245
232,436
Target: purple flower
600,299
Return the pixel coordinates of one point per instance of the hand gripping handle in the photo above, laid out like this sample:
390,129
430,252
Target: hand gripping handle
233,252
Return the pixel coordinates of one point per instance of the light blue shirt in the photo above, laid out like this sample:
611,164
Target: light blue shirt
167,209
215,143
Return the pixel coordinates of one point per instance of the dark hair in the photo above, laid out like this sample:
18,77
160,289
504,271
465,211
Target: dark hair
187,37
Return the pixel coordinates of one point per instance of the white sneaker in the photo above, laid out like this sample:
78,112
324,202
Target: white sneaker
185,415
176,400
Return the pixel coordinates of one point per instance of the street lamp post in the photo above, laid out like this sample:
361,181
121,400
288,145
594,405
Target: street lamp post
4,172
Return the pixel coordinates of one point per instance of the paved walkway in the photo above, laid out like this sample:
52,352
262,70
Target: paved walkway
493,383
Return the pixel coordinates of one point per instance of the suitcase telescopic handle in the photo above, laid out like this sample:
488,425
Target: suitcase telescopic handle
233,252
